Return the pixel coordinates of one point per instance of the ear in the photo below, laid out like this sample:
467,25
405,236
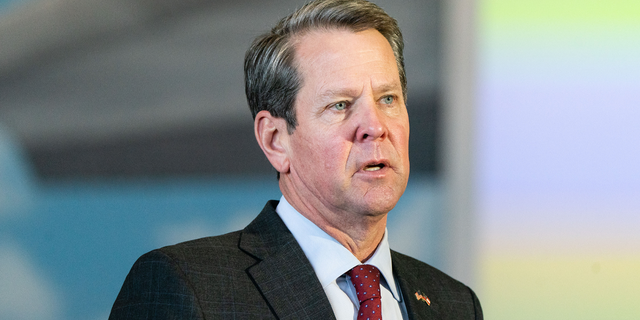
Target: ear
271,133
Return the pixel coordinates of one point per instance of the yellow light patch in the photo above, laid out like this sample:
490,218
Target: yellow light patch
560,287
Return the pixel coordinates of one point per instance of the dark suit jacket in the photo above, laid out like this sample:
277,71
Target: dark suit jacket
262,273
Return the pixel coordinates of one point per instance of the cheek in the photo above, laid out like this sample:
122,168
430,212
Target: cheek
405,142
322,153
332,157
313,156
403,130
331,162
400,134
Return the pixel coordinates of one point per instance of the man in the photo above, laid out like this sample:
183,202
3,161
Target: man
327,88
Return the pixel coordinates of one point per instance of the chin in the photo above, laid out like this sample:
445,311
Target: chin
377,204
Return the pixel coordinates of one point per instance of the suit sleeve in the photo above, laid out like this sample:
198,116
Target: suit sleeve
156,288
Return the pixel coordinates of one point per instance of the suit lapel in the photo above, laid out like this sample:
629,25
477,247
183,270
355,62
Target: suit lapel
283,275
409,285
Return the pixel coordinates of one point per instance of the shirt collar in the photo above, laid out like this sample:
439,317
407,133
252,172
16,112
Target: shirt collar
327,256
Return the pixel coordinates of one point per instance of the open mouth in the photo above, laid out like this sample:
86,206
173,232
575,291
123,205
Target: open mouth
374,167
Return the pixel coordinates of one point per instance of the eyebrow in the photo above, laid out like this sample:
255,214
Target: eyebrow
389,87
331,93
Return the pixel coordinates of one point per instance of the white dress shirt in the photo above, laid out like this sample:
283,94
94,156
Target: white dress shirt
330,260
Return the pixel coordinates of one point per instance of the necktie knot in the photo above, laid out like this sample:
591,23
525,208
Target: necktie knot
366,280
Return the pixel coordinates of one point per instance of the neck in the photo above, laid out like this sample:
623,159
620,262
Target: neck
360,233
361,240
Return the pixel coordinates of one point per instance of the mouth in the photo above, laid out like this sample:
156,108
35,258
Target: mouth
374,166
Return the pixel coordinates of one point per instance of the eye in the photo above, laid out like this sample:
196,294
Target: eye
340,105
388,99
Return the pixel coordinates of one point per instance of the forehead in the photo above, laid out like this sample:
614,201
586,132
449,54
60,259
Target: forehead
341,58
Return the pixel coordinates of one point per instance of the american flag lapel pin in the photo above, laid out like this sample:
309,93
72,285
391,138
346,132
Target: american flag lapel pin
421,297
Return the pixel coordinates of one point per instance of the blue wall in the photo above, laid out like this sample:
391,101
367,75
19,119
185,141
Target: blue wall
71,243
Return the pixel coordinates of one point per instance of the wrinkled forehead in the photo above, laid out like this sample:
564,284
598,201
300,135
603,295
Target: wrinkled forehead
341,55
328,31
333,34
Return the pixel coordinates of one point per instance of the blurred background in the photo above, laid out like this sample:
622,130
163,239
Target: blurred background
558,148
124,127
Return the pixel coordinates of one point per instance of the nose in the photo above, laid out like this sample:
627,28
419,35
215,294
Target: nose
371,122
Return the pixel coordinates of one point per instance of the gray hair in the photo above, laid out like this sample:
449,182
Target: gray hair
271,79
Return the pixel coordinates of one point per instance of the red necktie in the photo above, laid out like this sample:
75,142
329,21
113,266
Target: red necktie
366,280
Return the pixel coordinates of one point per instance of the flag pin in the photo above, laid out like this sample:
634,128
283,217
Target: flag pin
421,297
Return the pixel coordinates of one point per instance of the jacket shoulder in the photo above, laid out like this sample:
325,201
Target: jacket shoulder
450,298
203,278
204,250
419,270
156,288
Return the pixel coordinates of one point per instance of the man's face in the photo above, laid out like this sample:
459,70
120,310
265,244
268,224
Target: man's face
350,150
